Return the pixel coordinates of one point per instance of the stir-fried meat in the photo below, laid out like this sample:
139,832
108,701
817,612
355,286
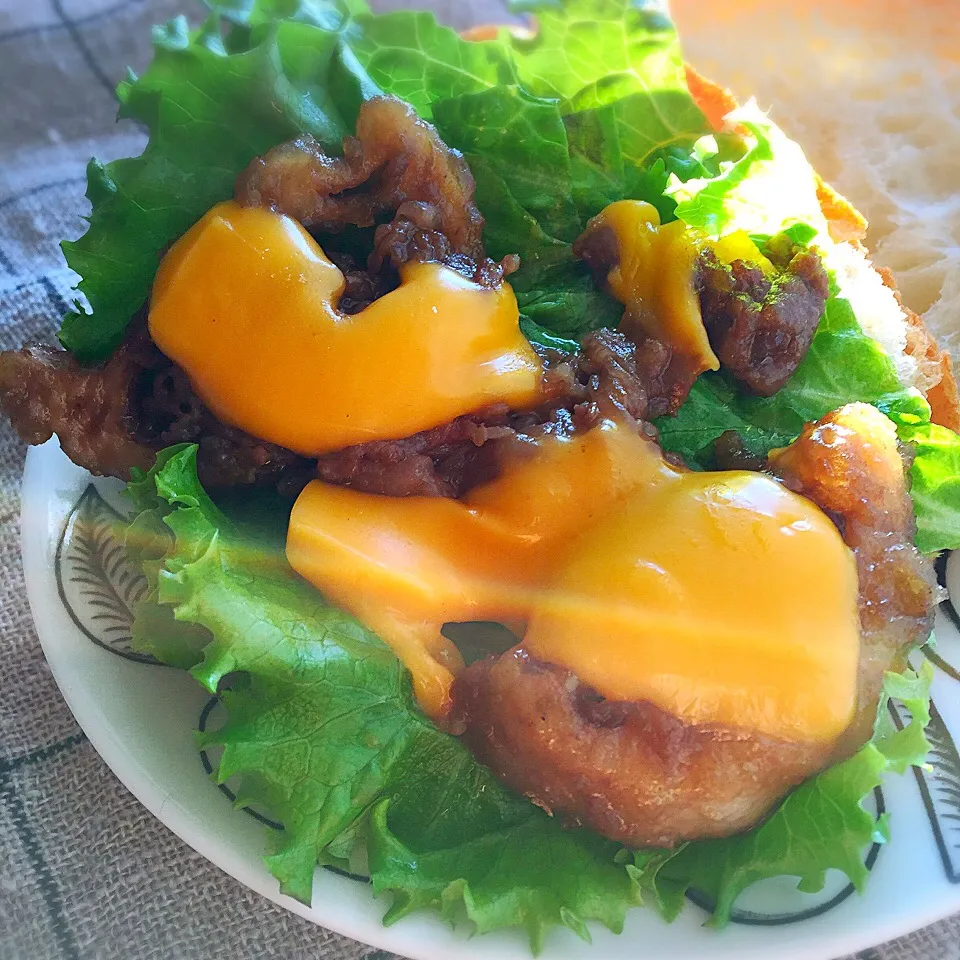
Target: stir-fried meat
395,160
115,417
850,465
443,462
395,167
615,375
760,327
361,286
415,235
638,775
609,377
164,409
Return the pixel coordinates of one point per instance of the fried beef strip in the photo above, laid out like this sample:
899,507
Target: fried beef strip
641,776
615,375
395,160
415,235
163,409
761,328
112,418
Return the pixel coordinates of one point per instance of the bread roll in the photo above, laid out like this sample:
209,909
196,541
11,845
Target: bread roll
871,91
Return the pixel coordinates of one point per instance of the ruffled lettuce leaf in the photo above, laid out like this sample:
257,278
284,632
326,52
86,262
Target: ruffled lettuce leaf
771,188
595,108
934,480
821,826
323,731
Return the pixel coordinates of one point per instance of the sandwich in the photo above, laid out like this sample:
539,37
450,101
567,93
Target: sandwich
521,444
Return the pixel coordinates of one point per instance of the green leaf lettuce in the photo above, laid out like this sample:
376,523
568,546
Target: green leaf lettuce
322,730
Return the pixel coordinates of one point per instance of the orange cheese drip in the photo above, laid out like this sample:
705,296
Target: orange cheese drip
654,277
246,302
723,598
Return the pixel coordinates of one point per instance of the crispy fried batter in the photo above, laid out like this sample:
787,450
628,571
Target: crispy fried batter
45,391
850,465
638,775
630,771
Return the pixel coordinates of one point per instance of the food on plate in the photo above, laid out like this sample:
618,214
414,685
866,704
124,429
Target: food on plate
395,333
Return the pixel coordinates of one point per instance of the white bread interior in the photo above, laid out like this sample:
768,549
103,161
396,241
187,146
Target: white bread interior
871,91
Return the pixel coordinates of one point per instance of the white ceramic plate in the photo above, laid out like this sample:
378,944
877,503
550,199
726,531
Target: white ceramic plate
142,717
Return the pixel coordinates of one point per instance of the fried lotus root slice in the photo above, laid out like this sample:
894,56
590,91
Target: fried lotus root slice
396,160
643,777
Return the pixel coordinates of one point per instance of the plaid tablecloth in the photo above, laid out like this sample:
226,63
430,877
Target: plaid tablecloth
85,871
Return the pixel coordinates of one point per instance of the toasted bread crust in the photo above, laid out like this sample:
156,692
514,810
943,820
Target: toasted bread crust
935,365
714,101
846,223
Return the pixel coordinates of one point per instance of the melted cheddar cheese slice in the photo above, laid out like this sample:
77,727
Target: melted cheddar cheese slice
246,303
655,276
723,598
405,566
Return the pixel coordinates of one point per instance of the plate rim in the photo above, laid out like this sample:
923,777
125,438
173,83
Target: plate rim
49,459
